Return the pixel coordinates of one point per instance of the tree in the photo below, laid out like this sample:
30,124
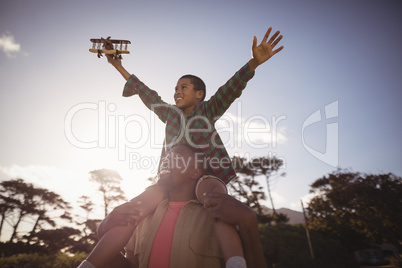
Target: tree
55,240
19,200
8,202
269,167
87,205
248,189
46,202
88,236
109,186
358,209
286,245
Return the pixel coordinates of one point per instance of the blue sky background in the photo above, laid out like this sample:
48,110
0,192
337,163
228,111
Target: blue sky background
342,52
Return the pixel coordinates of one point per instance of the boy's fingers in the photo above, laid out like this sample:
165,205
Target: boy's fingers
212,194
267,35
273,37
277,50
254,42
135,202
277,41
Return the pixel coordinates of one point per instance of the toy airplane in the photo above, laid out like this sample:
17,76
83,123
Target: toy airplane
110,46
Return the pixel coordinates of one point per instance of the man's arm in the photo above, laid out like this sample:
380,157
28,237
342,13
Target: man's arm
123,215
232,211
114,232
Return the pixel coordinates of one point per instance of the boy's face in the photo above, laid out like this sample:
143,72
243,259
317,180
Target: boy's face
185,96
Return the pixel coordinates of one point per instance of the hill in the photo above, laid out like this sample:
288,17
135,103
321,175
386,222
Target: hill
295,217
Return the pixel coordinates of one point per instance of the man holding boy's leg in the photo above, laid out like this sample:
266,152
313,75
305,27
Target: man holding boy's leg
192,240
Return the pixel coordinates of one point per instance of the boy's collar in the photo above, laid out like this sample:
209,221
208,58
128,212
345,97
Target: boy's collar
193,111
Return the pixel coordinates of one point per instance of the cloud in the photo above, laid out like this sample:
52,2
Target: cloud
254,130
8,45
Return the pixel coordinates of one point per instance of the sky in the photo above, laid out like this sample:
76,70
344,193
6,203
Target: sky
330,99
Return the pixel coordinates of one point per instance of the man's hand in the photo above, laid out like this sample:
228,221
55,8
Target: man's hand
229,210
265,50
123,215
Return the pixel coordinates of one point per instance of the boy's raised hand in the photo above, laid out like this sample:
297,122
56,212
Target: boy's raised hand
265,50
115,61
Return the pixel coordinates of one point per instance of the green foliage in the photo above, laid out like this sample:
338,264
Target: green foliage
287,246
10,248
396,262
358,209
57,239
35,260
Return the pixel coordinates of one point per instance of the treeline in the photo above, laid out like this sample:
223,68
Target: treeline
56,233
350,211
50,242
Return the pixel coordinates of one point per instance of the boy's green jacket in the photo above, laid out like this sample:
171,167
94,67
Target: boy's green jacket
198,128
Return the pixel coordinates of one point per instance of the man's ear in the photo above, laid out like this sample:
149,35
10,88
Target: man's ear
196,174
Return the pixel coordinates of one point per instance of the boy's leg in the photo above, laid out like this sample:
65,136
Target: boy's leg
115,239
110,245
149,199
227,235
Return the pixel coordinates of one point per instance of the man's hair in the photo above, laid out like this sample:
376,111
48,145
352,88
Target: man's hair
197,82
200,159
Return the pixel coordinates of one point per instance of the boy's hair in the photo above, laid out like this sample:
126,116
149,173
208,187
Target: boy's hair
197,82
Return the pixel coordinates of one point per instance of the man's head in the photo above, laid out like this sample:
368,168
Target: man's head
182,167
189,91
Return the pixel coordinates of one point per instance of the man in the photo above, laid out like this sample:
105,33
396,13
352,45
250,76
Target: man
180,233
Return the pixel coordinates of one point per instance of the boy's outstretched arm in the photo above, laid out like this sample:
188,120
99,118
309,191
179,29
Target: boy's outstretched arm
116,62
265,50
148,96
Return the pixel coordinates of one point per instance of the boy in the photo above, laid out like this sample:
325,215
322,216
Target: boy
191,122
